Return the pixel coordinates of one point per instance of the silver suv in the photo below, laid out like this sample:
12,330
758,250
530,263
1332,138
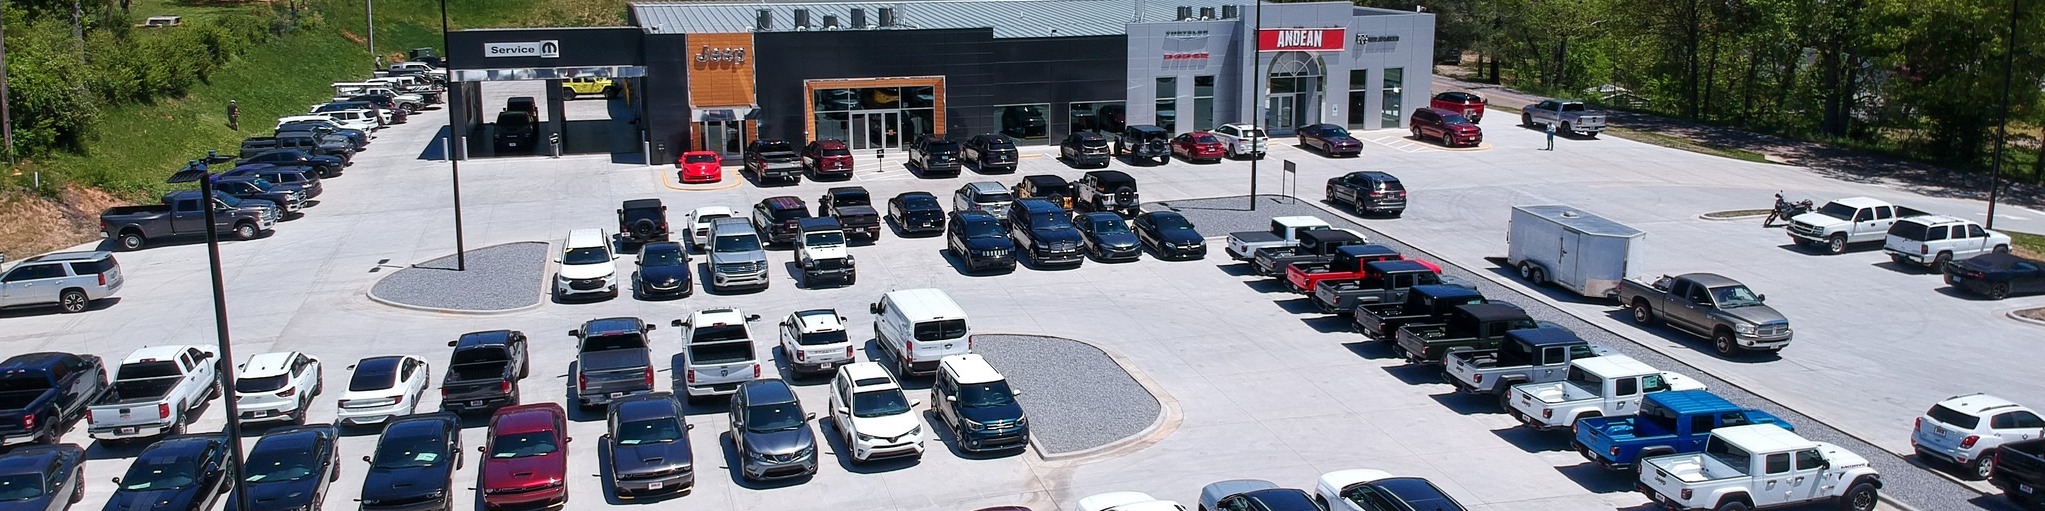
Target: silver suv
736,259
987,196
69,280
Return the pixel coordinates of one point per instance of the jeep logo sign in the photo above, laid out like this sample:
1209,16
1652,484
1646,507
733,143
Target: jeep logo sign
543,49
1300,39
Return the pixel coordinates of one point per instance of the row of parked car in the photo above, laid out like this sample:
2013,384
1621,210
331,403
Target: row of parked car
154,390
1971,258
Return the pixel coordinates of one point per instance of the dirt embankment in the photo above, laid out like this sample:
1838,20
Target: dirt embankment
37,224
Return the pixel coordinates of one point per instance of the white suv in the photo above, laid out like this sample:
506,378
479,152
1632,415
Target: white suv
815,341
872,414
699,224
1935,240
1965,430
277,386
587,265
69,280
1242,139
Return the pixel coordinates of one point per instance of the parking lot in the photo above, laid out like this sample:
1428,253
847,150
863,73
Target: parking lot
1249,389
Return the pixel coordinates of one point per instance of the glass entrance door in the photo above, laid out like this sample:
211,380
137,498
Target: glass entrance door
726,137
1282,113
876,130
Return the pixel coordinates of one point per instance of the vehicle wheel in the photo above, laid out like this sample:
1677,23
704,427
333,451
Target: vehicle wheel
1526,271
1540,277
1836,244
567,94
2002,249
1982,466
1527,120
1416,134
1861,497
245,231
1505,398
73,301
1565,129
1642,314
78,488
131,240
1939,262
213,393
1723,342
525,367
1732,505
1999,290
177,427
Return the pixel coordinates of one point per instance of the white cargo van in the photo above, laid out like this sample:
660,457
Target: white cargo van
918,327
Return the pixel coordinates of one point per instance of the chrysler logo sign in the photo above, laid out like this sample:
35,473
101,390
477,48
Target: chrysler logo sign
1185,35
543,49
1300,39
1181,56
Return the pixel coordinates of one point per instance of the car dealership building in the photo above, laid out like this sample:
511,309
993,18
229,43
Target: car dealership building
717,75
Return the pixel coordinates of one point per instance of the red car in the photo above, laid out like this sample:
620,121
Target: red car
827,157
1198,146
1447,125
701,167
1470,105
525,461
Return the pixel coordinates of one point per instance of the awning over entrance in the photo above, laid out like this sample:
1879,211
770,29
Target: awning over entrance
723,113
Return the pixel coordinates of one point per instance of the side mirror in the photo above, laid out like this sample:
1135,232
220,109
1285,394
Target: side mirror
678,323
1761,298
450,344
575,333
841,319
649,328
621,211
847,411
915,403
950,399
875,307
557,260
688,426
117,480
784,323
481,449
752,317
365,459
1014,392
567,439
810,417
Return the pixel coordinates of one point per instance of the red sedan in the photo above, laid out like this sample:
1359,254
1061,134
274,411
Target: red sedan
701,167
525,461
1198,146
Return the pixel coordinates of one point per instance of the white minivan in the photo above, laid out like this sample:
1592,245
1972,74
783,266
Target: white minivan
919,327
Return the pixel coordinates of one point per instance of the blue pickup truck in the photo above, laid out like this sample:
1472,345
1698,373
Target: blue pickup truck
1673,422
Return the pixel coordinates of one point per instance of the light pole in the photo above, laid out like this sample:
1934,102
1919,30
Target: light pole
2009,63
224,363
369,16
1257,97
454,162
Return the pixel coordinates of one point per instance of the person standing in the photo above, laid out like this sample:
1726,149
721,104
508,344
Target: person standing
233,116
379,63
1551,137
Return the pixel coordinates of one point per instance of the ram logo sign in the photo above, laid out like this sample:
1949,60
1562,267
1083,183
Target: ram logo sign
1301,39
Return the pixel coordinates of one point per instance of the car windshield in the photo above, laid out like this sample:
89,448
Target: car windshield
373,378
774,417
776,147
613,342
586,255
945,147
20,487
920,202
650,431
1051,220
279,467
160,473
1334,131
978,229
522,445
229,200
259,384
1108,225
1454,119
408,451
740,243
994,198
654,258
716,333
879,403
1956,418
985,395
1204,138
1730,297
821,338
699,158
1837,210
1171,223
705,219
824,238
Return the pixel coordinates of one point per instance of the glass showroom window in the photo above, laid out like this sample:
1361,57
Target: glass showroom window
1024,122
1359,98
1098,116
1395,88
1168,103
1203,102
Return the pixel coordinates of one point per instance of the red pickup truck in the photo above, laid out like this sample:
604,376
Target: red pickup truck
1349,263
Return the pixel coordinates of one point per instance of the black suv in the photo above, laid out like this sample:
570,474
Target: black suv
991,153
1085,149
642,221
1142,142
1047,187
777,219
1045,232
1106,190
934,154
977,240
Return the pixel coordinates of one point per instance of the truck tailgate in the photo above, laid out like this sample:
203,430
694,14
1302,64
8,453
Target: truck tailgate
1465,366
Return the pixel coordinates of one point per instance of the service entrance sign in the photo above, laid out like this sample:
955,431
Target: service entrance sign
543,49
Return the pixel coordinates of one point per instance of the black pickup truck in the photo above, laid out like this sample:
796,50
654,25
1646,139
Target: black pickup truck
484,370
853,208
773,160
1315,247
1383,281
43,394
515,131
1474,327
1425,304
2020,471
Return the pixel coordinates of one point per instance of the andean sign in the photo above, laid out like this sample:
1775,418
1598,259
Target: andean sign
1301,39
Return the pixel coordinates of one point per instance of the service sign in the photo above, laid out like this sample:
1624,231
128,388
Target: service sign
1301,39
542,49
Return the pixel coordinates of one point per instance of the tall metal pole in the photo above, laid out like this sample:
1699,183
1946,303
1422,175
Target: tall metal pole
6,113
224,365
2009,68
1257,97
369,15
454,161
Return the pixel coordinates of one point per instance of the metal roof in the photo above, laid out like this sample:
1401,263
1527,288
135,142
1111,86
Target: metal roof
1581,221
1008,18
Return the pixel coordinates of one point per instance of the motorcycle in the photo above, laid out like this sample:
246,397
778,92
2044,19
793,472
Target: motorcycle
1785,210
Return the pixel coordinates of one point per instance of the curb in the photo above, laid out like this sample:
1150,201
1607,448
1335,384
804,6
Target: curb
1167,413
732,181
2012,314
371,292
1708,217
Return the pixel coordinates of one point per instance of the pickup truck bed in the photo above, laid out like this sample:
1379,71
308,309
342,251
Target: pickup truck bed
1251,240
610,374
2020,472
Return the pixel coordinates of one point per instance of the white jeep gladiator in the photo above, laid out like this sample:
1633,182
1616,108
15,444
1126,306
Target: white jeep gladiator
1760,466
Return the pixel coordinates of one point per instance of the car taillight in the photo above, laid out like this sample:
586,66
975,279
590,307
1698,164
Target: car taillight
848,351
502,386
443,393
1920,424
756,370
102,279
969,344
287,392
163,410
28,421
399,401
691,376
581,381
801,355
1614,450
649,377
1968,443
1547,413
1923,249
1477,378
1686,494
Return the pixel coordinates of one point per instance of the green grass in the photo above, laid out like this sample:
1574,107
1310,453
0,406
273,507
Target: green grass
2028,245
1669,141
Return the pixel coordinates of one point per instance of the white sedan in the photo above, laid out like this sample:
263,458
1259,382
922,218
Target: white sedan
873,415
277,386
699,224
383,388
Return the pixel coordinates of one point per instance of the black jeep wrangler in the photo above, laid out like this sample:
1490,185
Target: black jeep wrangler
642,221
1142,142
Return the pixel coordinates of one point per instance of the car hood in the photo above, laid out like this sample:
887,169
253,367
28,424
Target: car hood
1756,314
1116,239
1819,219
524,472
990,244
1344,140
180,498
628,459
587,271
749,256
1180,236
404,484
281,495
1055,235
985,414
780,442
887,427
700,168
664,274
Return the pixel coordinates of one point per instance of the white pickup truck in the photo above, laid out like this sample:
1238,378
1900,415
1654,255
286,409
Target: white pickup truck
153,391
1285,232
1847,221
1594,387
1760,466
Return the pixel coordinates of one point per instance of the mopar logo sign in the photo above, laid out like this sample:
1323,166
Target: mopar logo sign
543,49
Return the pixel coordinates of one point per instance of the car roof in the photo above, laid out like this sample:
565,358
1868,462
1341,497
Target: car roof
1444,112
1088,135
291,438
818,320
1994,261
970,368
1935,220
586,238
30,459
32,361
1762,438
932,302
923,194
1860,202
1413,490
712,210
1689,402
868,376
847,190
642,203
1456,95
1544,336
767,391
986,187
1101,215
435,422
1283,499
268,364
1365,250
1492,311
1978,404
1146,128
1396,266
731,225
1613,366
829,143
1043,180
484,338
526,418
1710,279
1327,235
1446,291
646,406
783,202
150,353
615,325
69,256
382,364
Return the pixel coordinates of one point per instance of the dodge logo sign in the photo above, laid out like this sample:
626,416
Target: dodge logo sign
543,49
1300,39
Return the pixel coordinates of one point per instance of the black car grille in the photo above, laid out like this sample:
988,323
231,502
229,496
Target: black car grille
398,502
783,458
740,267
829,264
653,474
585,284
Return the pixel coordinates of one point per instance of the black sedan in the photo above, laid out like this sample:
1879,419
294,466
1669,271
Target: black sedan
1170,235
1330,140
663,271
327,166
290,468
42,477
978,240
1996,276
648,446
414,465
1107,237
917,213
187,472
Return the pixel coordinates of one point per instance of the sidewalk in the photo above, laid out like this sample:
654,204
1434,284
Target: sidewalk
1828,161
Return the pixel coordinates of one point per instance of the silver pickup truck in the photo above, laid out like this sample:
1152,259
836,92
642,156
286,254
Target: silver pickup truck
1534,355
1567,116
1711,306
153,392
612,360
